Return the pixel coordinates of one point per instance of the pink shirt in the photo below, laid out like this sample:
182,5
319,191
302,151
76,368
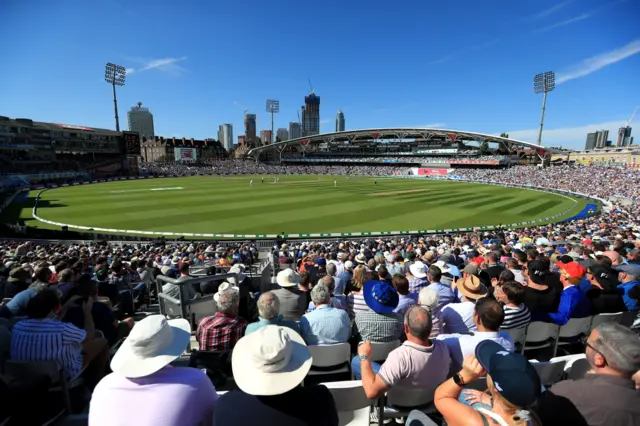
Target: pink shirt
172,396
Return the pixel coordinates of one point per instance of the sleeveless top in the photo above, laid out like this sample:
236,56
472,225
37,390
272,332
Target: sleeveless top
497,419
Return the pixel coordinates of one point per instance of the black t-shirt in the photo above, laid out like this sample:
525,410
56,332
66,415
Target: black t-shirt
300,406
605,302
103,319
542,301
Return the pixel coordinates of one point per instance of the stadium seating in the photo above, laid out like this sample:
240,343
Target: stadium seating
352,403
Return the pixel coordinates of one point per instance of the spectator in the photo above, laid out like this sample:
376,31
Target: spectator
269,367
603,293
338,285
516,314
445,294
514,267
145,271
144,389
459,317
493,268
338,302
103,317
607,396
269,314
417,276
324,325
513,386
616,258
405,299
541,292
293,302
428,299
42,337
66,282
355,299
573,302
488,317
173,290
304,286
380,323
420,363
628,276
222,330
346,276
19,278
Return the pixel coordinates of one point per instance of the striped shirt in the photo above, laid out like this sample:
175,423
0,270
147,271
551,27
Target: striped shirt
48,340
516,317
355,304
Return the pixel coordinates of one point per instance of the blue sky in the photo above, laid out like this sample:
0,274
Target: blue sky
466,65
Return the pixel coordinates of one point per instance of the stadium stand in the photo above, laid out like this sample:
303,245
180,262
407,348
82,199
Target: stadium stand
214,286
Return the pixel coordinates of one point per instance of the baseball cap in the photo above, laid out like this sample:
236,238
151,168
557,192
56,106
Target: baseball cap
606,277
630,269
573,269
537,271
471,269
512,374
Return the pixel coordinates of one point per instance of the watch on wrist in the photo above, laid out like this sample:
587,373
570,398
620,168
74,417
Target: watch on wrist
457,379
363,357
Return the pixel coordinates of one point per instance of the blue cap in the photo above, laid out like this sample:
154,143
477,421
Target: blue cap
511,373
321,261
562,250
631,269
380,296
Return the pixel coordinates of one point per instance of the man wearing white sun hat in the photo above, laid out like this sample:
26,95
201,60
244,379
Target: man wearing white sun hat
144,389
268,366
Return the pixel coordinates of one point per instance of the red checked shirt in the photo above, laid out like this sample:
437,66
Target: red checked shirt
220,332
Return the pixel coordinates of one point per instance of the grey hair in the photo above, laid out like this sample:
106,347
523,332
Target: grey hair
268,305
328,281
379,258
620,347
331,268
428,298
320,295
228,302
418,321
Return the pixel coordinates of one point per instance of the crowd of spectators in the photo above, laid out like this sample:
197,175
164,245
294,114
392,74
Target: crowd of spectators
394,159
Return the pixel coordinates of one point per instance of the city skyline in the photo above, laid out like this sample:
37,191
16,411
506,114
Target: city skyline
140,119
191,90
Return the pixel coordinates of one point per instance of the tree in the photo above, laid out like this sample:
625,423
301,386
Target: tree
278,139
504,135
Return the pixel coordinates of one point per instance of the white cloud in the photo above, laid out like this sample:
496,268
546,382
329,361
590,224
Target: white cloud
563,23
167,65
568,137
432,125
595,63
551,10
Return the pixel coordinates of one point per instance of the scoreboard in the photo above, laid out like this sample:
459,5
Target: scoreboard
131,143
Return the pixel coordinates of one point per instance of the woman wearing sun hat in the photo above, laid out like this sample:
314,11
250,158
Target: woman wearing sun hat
513,385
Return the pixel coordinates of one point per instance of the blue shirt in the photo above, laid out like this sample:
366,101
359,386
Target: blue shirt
573,304
17,306
254,326
445,294
405,301
632,304
325,325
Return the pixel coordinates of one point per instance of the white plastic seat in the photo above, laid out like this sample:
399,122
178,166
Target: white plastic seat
326,356
629,318
519,336
400,401
540,335
380,350
549,372
602,318
351,401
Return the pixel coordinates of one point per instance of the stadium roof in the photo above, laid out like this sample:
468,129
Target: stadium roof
397,134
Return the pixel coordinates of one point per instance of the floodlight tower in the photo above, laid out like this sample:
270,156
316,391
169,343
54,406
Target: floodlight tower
115,75
543,83
273,106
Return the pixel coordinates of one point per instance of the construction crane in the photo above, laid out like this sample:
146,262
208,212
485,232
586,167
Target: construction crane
311,87
632,116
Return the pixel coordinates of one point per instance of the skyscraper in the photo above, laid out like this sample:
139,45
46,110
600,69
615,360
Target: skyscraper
624,136
266,136
601,138
295,130
249,128
225,136
282,134
591,141
340,121
311,115
141,121
240,140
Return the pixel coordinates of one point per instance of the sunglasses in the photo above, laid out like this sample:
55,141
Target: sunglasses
585,341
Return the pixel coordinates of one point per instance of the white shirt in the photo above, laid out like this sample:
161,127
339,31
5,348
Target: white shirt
463,345
339,266
518,275
458,317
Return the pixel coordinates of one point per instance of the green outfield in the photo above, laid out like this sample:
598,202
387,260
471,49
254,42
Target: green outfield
294,205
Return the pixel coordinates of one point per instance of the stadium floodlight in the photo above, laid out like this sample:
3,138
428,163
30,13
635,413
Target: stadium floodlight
273,107
543,83
115,76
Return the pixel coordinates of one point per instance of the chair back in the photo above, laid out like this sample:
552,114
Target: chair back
352,403
410,397
380,350
540,332
519,336
200,308
602,318
330,355
629,317
575,327
578,369
549,372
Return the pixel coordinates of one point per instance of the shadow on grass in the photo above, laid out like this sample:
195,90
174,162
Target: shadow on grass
19,212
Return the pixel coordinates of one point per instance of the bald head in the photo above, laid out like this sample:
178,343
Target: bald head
616,258
418,323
